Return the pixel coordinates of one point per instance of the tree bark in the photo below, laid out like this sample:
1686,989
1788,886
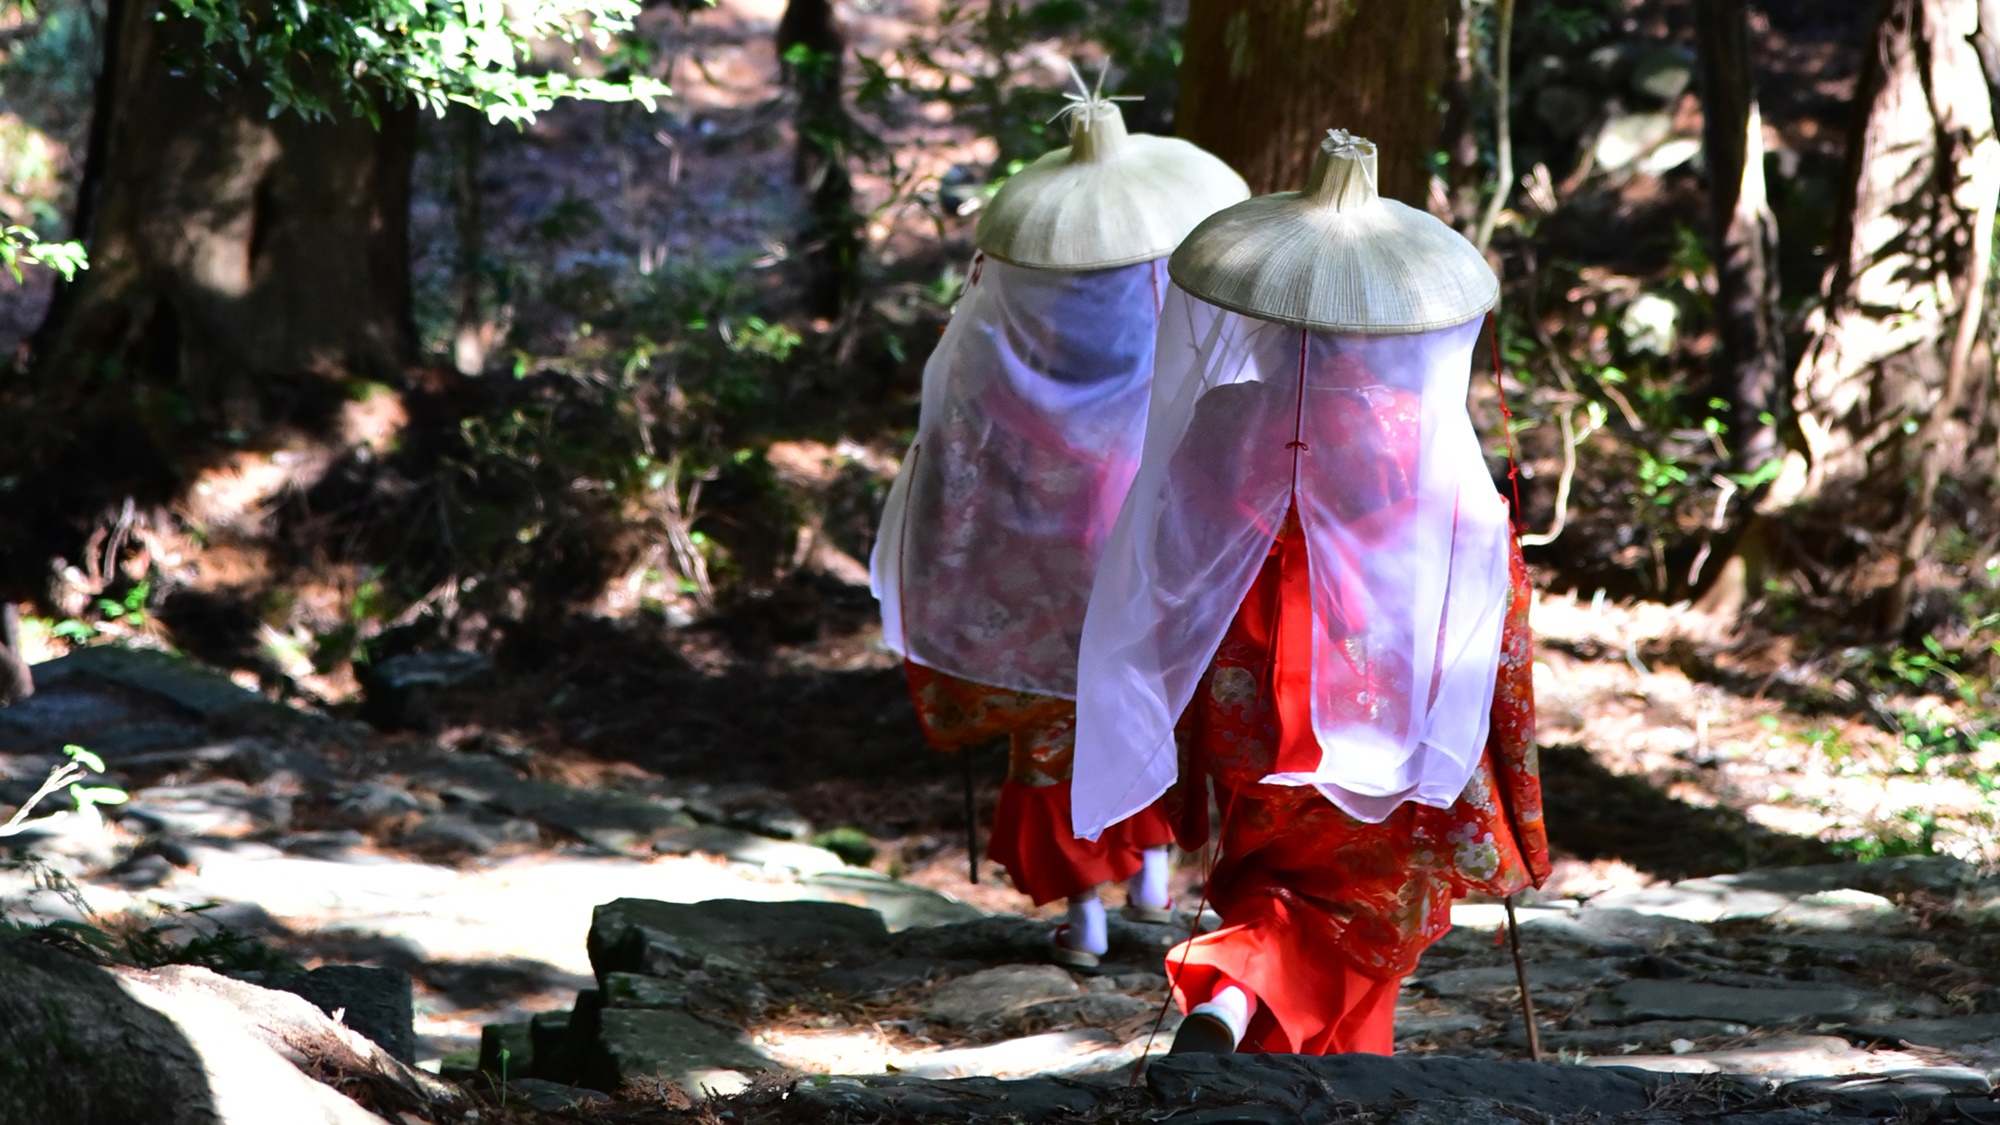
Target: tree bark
1878,396
16,682
1748,368
814,50
1262,81
245,270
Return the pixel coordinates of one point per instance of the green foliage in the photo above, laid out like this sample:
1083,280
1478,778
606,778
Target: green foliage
19,245
69,776
1910,832
319,58
851,844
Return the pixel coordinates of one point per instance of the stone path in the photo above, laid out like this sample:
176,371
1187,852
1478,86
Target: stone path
561,925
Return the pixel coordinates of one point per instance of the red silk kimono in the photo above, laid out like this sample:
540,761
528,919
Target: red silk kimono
1324,914
1031,835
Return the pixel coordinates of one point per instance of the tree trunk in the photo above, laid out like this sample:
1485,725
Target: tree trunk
16,682
245,271
1263,80
1748,368
814,51
1878,390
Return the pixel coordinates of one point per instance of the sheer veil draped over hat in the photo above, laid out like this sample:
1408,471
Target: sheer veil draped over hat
1034,405
1033,409
1330,383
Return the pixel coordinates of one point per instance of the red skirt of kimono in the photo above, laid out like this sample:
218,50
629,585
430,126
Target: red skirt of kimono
1323,914
1031,835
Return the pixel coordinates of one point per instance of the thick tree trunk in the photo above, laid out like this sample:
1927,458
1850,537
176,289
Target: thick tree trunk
245,270
814,49
1880,388
1748,369
1262,81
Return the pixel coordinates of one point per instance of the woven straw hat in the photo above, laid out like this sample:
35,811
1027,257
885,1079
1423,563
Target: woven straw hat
1337,256
1111,198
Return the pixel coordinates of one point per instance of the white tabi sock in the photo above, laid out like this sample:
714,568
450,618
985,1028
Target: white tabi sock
1086,924
1232,1006
1148,886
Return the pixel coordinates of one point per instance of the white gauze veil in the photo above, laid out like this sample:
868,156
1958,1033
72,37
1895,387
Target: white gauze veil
1034,407
1406,542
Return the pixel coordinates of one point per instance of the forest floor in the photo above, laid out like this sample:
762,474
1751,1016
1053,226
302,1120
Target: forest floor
1696,922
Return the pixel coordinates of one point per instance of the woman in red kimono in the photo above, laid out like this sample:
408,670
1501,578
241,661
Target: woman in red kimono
1312,603
1034,409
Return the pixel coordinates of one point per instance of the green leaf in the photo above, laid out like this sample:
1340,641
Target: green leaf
84,758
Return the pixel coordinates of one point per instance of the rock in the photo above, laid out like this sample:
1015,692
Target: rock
553,1054
987,997
74,1047
141,872
1626,138
445,836
778,821
1566,110
1299,1082
1947,1032
1788,1057
1125,982
1499,980
996,938
209,808
506,1050
1057,1053
1841,910
208,695
403,691
669,1045
1092,1009
1663,73
1758,1007
747,847
875,981
1611,930
323,845
630,990
665,939
1435,1020
1915,1097
376,1002
1719,898
615,822
901,905
1614,1040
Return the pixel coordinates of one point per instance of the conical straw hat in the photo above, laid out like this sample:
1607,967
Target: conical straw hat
1110,199
1337,256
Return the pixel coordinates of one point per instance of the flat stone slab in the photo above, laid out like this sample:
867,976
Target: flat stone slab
901,905
1803,1056
1758,1007
1615,930
665,939
1298,1082
1491,982
1621,1039
1055,1054
988,996
1946,1032
668,1044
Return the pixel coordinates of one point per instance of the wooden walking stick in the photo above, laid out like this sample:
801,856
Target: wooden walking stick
1521,976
